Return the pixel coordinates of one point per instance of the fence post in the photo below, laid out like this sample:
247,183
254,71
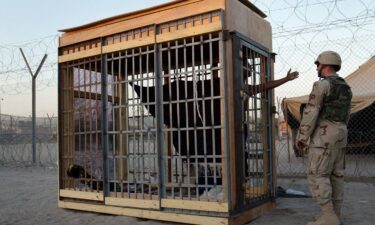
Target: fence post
1,125
33,76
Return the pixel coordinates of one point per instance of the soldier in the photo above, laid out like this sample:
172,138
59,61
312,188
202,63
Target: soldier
323,131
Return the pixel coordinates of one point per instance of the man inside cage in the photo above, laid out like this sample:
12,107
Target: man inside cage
323,131
269,85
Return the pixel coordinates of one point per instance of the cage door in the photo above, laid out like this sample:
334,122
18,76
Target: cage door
254,121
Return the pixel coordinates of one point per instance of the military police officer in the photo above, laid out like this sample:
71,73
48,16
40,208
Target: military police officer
323,131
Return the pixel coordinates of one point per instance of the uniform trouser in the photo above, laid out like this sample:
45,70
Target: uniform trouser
326,175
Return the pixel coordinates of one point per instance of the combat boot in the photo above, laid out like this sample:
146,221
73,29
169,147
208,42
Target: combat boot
328,216
337,209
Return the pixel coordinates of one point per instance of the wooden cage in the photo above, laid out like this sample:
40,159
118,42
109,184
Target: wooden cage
156,115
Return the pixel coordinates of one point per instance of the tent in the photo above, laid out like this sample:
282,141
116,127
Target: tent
362,115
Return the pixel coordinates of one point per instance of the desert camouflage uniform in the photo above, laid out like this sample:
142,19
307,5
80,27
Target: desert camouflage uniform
326,139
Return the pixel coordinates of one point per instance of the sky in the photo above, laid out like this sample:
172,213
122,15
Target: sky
28,20
24,20
301,29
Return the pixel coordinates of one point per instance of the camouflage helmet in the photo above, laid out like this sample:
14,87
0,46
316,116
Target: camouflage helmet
329,58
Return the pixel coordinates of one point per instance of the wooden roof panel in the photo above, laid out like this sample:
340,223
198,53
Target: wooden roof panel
166,12
125,16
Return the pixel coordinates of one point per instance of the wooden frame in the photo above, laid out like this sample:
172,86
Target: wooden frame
93,196
134,203
195,205
80,54
168,216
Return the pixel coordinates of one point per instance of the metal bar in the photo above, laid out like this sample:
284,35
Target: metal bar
104,124
127,99
84,110
255,116
97,130
195,117
112,84
187,115
204,123
91,127
253,56
170,105
178,74
167,81
245,53
212,122
142,154
133,155
70,118
120,128
148,97
159,118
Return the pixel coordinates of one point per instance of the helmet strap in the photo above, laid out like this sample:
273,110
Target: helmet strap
320,71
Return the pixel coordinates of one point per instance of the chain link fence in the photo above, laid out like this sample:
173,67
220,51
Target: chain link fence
359,161
16,140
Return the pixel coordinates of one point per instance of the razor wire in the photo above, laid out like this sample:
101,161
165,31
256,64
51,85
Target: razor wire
304,28
14,75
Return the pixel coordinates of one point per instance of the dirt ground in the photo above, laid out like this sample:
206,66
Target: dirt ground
28,196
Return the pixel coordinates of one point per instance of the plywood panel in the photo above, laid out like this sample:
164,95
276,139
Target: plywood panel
157,16
81,54
191,31
141,213
195,205
135,203
243,20
128,44
95,196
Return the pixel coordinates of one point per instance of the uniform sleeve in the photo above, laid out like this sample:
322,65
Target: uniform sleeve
311,111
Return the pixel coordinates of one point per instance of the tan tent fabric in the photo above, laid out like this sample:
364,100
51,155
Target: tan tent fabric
362,82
